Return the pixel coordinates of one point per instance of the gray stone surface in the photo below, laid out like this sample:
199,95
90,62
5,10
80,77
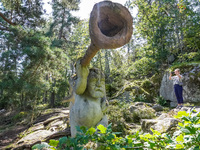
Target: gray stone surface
141,111
157,107
47,126
35,136
166,121
162,126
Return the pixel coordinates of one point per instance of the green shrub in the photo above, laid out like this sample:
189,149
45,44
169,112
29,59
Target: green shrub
186,137
188,57
143,113
140,98
20,116
116,118
160,100
142,68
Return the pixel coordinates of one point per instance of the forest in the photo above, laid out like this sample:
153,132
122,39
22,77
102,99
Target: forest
38,53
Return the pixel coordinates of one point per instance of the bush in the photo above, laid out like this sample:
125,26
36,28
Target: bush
188,57
20,116
160,100
187,137
116,118
142,68
140,98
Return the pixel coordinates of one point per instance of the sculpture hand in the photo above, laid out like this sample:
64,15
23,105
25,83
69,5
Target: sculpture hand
82,74
81,71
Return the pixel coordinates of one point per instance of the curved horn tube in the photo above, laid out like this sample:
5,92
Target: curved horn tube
110,26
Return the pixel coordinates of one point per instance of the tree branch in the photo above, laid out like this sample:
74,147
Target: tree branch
7,20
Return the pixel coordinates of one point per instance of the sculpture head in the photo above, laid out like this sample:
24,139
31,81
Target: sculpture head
96,83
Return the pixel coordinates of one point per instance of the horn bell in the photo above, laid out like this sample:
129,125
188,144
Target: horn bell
110,25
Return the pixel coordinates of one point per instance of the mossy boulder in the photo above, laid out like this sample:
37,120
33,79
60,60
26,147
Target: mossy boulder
142,111
137,90
125,117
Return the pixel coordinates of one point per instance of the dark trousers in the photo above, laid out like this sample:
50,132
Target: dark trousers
179,93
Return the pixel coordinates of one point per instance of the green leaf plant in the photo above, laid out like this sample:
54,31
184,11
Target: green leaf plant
187,136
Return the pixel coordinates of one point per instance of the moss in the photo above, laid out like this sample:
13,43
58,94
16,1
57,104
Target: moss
143,113
147,84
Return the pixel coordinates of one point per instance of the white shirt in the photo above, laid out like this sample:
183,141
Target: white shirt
177,80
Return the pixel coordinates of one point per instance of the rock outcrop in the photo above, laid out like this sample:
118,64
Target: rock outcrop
50,125
165,122
164,125
191,87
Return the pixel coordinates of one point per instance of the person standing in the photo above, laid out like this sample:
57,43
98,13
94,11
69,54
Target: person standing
178,89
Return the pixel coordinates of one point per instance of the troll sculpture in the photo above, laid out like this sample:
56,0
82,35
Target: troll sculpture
110,27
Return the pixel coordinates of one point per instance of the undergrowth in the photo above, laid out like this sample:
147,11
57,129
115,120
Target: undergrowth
187,136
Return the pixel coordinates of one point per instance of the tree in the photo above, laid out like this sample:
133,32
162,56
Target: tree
59,32
31,61
164,25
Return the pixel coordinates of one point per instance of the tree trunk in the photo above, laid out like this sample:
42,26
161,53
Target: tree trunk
52,100
100,61
177,31
46,92
45,97
107,66
62,25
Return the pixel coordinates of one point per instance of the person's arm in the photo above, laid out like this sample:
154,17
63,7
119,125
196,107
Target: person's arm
170,77
180,77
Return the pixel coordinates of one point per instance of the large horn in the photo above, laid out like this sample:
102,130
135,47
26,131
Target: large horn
110,27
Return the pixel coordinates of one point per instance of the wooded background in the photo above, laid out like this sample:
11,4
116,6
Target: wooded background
38,52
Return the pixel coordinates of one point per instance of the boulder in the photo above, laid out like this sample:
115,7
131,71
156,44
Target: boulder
191,87
166,121
157,107
140,111
164,125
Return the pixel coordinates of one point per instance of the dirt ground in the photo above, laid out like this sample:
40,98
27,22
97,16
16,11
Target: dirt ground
14,126
9,130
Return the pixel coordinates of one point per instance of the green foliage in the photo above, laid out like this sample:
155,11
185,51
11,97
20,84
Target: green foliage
184,67
20,13
140,98
142,68
189,57
168,27
19,116
41,146
186,137
118,114
160,100
35,64
31,68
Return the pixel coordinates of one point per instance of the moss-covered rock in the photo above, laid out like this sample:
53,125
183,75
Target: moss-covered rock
125,117
139,112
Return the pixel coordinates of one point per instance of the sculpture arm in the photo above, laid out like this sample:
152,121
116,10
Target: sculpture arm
82,74
104,104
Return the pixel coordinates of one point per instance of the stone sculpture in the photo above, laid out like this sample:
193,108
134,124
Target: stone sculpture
90,99
110,27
